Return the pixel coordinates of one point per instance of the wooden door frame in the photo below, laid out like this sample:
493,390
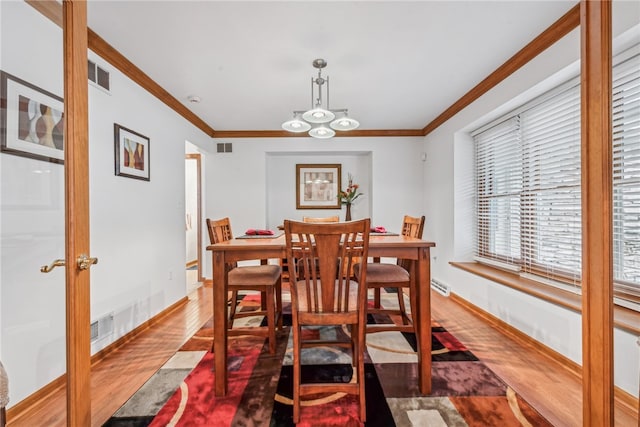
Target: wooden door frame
76,172
198,158
597,208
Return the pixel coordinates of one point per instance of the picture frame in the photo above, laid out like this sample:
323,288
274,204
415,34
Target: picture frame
132,153
317,186
31,120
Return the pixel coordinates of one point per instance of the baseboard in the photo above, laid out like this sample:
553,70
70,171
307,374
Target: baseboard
622,398
29,404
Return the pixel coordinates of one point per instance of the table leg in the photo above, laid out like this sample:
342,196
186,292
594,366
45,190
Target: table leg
423,324
220,323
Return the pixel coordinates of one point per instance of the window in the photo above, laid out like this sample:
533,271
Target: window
527,176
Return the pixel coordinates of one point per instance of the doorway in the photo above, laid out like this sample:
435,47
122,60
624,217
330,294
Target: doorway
193,221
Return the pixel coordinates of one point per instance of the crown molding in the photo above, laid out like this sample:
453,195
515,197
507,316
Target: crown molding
547,38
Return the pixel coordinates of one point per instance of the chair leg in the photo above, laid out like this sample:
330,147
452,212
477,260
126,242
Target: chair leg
403,310
376,297
271,319
360,367
232,311
279,302
296,374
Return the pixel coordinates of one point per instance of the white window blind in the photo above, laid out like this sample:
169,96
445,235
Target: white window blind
528,185
499,184
551,234
626,178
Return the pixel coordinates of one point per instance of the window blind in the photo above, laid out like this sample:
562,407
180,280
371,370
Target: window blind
499,184
528,193
551,232
626,178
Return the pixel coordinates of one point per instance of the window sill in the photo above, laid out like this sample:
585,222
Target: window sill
623,318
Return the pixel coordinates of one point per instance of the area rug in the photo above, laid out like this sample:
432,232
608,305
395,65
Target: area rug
464,391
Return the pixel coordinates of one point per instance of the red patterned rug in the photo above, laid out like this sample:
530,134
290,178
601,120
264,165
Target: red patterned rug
465,392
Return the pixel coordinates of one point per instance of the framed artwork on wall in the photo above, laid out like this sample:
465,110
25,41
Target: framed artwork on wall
131,153
317,186
31,120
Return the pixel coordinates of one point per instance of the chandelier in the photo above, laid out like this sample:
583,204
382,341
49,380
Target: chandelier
316,119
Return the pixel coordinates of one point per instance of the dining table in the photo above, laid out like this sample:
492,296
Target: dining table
274,247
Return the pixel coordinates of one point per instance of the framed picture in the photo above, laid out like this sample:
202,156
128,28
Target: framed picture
317,186
132,153
31,121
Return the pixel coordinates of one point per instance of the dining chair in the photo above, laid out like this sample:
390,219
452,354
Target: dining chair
323,294
395,276
334,218
264,278
283,263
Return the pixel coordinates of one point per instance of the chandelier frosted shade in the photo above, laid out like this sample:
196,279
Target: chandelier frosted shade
296,125
318,115
344,123
320,121
322,132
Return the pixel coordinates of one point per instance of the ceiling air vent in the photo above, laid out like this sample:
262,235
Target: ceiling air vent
225,147
99,76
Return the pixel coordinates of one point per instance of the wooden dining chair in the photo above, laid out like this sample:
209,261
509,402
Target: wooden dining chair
264,278
396,276
323,295
316,220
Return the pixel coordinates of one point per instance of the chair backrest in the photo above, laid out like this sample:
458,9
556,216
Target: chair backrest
335,218
412,227
326,253
219,230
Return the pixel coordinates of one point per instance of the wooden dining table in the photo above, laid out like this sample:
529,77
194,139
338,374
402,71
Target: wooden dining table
241,249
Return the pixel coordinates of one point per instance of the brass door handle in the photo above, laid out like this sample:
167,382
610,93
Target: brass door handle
54,264
84,262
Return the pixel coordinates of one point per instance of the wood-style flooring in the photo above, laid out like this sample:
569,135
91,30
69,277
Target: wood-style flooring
547,385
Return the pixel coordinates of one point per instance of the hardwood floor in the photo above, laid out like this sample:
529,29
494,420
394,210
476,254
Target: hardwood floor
552,389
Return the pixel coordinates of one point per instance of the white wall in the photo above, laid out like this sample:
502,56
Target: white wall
137,227
448,184
255,184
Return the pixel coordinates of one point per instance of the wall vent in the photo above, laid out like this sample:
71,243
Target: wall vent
99,76
225,147
102,328
440,287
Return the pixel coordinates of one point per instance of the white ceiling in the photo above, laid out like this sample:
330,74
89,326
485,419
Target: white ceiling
393,64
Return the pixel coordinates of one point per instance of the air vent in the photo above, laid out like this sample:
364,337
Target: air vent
225,147
102,328
99,76
440,287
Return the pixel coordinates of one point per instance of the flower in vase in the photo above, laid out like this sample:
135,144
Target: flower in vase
349,195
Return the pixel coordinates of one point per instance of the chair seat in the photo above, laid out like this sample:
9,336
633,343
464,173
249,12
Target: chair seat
255,275
353,296
383,273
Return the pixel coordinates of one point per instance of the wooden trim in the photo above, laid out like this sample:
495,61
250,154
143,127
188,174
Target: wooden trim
198,158
339,134
597,218
551,35
547,38
32,402
76,173
624,318
626,400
